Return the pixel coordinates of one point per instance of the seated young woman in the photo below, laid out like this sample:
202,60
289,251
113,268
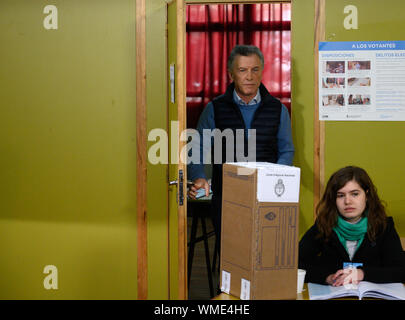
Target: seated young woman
351,226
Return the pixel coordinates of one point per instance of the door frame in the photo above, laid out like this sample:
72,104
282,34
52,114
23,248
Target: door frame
141,108
181,98
182,113
141,147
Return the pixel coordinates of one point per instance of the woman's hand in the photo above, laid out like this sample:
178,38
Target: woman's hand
345,276
337,279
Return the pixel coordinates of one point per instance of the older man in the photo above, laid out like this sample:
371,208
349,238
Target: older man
246,105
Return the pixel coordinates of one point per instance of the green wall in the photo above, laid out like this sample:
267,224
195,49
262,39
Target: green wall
376,146
68,153
157,117
302,103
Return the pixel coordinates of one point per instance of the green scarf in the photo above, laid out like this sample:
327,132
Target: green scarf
353,232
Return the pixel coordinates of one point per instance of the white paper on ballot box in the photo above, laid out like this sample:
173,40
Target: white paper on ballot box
275,182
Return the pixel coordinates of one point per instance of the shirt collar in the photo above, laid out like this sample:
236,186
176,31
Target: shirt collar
257,99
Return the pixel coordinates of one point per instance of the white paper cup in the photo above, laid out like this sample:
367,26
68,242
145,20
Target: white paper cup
300,280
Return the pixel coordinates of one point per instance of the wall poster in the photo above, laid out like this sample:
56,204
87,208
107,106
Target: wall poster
362,81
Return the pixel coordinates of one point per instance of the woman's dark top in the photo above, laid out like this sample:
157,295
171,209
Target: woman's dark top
383,259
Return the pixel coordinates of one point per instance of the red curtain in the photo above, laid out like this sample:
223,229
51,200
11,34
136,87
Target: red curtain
212,32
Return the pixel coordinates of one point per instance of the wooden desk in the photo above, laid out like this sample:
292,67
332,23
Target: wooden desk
300,296
304,295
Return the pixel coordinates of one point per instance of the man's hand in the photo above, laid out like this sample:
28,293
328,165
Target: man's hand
198,184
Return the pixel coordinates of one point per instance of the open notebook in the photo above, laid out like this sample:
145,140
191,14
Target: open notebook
388,291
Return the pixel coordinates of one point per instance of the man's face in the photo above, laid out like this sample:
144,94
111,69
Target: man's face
246,73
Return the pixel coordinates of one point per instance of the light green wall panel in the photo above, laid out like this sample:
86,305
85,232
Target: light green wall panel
157,188
302,103
94,261
67,137
377,146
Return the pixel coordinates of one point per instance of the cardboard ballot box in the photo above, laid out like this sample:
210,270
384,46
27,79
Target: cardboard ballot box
259,236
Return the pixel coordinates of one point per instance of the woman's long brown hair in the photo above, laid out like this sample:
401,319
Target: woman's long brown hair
327,211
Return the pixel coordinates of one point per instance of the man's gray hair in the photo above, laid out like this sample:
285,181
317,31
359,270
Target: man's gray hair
244,50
